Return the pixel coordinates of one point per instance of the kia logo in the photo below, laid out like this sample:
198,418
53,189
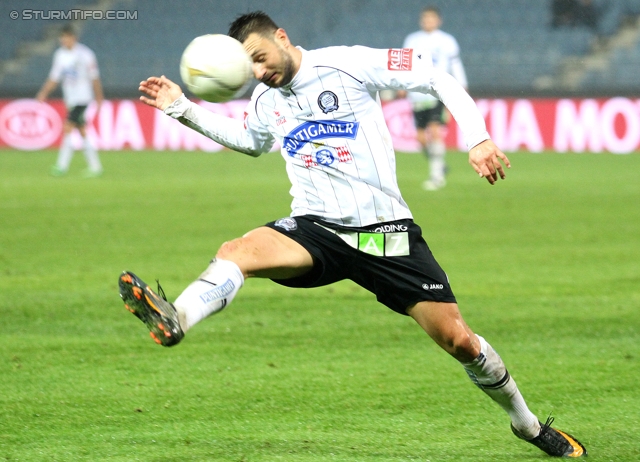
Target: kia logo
29,125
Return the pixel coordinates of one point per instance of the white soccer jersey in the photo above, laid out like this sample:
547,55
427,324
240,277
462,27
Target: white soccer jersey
338,150
76,68
445,54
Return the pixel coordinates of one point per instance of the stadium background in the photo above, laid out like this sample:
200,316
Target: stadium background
569,88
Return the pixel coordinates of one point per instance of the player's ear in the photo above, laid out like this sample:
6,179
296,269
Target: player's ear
282,37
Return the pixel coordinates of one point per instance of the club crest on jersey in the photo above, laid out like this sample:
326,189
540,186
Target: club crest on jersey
312,131
328,101
288,223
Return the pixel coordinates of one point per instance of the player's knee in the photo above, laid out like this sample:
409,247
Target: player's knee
461,346
228,248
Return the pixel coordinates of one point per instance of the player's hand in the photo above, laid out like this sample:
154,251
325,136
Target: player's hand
160,92
485,160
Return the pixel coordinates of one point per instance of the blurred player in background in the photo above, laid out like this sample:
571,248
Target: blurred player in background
75,65
430,113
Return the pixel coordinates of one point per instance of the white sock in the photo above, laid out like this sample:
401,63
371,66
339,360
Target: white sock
65,154
91,155
214,290
489,373
436,151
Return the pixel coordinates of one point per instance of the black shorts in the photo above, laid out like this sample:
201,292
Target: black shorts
76,115
391,260
426,116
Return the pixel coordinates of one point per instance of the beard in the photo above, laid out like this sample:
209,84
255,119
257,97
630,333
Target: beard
287,71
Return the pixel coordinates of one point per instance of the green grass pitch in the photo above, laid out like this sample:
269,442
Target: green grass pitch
546,265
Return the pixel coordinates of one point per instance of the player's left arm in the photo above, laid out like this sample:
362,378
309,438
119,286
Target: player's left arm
413,70
484,155
94,74
485,159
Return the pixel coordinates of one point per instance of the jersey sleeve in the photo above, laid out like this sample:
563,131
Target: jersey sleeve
412,70
393,69
248,136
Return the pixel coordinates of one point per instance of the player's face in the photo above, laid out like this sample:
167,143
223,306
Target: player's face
67,40
272,64
430,21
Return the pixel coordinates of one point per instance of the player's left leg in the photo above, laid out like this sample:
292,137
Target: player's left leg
445,325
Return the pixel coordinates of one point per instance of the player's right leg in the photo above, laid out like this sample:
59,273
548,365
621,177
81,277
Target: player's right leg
262,252
65,153
436,152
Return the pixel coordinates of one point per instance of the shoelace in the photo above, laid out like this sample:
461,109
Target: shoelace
552,437
546,425
161,290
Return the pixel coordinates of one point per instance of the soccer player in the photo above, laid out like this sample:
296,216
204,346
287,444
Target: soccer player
75,65
349,220
429,112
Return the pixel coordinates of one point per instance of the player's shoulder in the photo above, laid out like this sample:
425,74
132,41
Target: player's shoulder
342,55
330,53
262,95
447,37
260,90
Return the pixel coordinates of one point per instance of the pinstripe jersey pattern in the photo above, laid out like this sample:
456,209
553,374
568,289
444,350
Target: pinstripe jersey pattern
331,129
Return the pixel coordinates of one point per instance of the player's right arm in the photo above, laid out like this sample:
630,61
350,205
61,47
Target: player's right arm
161,93
54,77
46,90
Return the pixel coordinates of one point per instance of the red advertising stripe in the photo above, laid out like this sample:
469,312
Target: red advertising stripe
562,125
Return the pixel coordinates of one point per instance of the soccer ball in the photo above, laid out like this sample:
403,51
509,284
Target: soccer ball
216,68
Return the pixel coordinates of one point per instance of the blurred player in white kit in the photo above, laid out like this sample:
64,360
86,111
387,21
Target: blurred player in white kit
76,67
430,113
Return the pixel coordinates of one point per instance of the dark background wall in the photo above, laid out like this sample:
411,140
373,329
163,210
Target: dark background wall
509,47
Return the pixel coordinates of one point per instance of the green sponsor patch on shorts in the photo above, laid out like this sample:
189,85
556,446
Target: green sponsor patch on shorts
371,243
396,244
378,244
384,244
